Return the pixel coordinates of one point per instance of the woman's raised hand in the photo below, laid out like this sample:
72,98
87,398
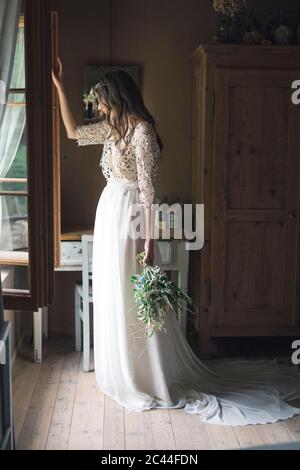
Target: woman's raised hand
58,77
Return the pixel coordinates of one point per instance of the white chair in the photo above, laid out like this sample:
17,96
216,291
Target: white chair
83,299
175,257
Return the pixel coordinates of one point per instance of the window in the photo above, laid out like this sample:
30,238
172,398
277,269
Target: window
26,189
13,178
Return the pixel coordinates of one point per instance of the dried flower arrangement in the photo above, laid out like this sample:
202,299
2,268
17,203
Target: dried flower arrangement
280,27
229,7
236,23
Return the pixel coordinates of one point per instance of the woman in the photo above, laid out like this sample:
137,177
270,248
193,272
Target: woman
161,371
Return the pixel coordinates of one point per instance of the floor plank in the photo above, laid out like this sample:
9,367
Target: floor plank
138,430
189,432
162,431
222,437
36,425
86,432
275,433
247,436
25,375
114,436
58,437
292,425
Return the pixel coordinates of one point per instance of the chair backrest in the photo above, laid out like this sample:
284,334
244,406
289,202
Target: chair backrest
87,264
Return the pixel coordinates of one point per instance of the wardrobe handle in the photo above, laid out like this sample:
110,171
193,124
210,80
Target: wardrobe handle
292,215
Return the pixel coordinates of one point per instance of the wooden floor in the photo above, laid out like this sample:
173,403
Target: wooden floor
57,406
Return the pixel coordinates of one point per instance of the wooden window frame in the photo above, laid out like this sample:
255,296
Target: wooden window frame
38,88
56,144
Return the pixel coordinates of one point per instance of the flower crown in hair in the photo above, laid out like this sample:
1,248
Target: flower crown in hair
103,82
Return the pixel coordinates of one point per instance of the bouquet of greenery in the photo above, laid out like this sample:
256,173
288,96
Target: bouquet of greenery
155,294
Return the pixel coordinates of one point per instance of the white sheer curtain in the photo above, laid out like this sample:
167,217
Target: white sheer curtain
9,19
12,73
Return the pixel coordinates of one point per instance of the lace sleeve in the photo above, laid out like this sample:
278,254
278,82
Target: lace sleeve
147,155
94,133
104,164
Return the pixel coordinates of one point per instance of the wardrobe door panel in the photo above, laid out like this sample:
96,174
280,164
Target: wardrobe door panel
253,277
255,222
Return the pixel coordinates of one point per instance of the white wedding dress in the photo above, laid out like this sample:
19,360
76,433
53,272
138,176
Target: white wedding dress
162,371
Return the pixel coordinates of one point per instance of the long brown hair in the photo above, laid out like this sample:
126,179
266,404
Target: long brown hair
118,91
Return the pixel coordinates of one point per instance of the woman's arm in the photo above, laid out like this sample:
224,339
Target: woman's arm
66,112
149,255
147,155
88,134
67,115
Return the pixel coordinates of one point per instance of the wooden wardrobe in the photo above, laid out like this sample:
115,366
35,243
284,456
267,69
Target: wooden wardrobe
246,151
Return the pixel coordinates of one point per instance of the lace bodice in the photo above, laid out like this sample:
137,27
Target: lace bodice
139,162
